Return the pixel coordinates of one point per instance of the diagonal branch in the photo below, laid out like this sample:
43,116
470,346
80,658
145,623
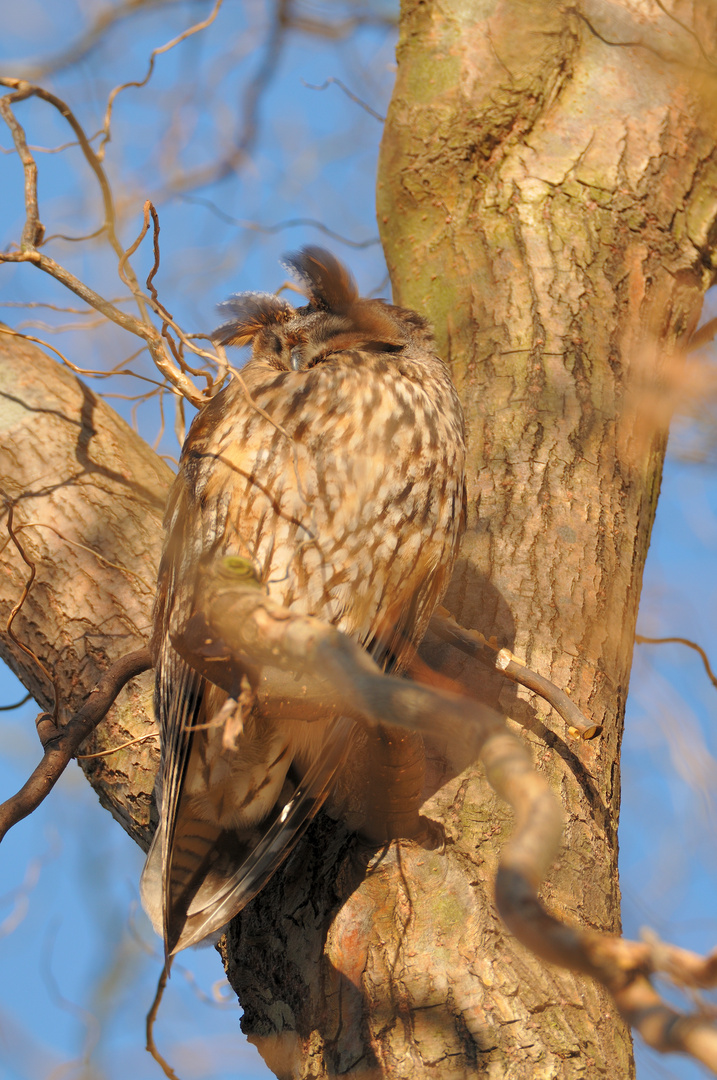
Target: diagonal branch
237,624
236,627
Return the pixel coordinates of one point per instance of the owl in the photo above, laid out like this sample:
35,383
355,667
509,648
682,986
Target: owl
333,461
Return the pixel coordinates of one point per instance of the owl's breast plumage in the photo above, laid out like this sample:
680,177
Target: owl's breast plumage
340,483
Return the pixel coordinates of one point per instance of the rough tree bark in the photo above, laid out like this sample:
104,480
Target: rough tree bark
551,201
87,497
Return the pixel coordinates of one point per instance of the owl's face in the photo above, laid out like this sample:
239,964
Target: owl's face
335,320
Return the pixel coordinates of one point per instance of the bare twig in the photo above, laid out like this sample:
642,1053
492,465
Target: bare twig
46,345
60,328
140,327
116,749
24,90
50,149
150,68
88,39
108,17
144,330
133,247
174,373
475,644
152,1016
15,705
164,351
290,223
76,239
168,320
56,307
73,367
155,302
236,155
33,230
60,744
680,641
333,81
155,246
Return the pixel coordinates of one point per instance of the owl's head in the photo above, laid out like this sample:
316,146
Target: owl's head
335,319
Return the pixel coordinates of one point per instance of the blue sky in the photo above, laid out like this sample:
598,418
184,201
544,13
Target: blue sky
78,959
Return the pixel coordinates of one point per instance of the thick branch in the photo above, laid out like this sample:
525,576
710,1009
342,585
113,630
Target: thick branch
237,624
88,497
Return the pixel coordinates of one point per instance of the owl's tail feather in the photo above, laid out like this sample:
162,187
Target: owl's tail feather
203,856
228,868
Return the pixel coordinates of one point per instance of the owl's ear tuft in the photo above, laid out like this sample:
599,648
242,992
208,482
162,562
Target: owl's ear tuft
328,284
247,314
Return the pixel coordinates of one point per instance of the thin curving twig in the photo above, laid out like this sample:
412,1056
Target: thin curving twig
150,1019
680,641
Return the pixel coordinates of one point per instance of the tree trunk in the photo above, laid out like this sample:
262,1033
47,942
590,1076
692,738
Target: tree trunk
550,200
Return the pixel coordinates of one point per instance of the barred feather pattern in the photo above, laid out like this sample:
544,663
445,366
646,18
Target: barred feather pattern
335,463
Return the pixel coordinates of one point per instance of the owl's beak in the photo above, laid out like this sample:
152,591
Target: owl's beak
296,358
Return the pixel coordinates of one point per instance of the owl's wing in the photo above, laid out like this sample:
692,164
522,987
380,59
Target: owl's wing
197,875
360,528
179,698
393,646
